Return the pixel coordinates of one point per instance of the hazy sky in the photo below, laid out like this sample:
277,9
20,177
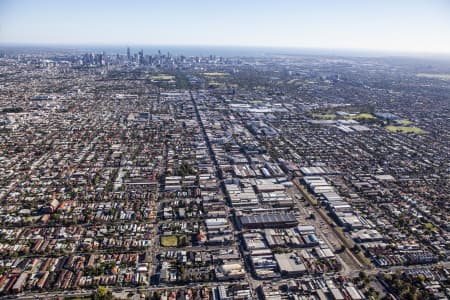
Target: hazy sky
399,25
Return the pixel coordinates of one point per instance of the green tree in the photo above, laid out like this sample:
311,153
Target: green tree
102,293
156,295
421,277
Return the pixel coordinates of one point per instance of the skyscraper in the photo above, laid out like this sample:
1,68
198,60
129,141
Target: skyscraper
141,57
128,54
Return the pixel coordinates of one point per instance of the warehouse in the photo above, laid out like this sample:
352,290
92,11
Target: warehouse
268,221
290,264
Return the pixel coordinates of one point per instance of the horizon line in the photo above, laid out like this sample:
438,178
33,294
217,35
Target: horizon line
383,52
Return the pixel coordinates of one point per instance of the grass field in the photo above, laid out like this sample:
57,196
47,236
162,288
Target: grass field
258,101
405,129
162,77
216,84
294,81
361,116
404,122
169,241
430,226
437,76
32,218
215,74
324,116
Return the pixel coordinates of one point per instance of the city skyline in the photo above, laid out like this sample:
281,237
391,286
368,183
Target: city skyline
403,26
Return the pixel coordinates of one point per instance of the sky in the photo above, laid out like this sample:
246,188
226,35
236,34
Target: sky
416,26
